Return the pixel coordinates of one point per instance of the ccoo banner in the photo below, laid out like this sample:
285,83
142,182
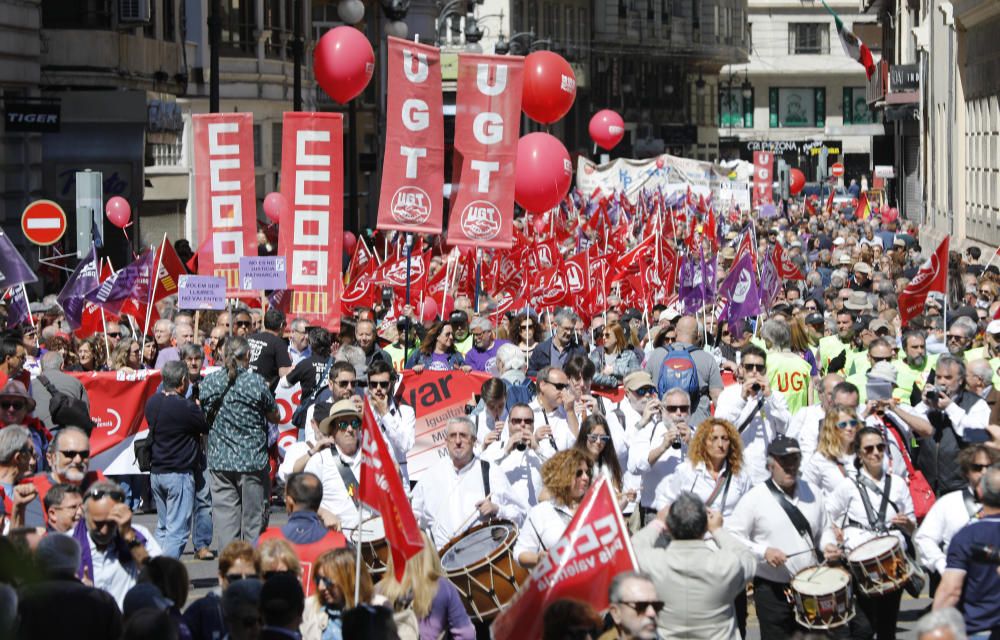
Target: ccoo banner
312,181
413,168
487,126
224,194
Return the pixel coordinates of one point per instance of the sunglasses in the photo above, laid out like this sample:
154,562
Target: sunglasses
379,384
270,574
595,438
848,424
642,392
673,408
641,606
343,384
242,323
873,447
755,367
100,494
12,405
978,468
558,385
521,420
344,425
84,454
114,335
581,472
236,577
955,337
876,359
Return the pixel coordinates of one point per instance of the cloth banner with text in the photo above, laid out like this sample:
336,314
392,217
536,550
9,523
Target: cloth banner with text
487,126
665,173
413,164
224,195
311,238
594,549
932,277
763,177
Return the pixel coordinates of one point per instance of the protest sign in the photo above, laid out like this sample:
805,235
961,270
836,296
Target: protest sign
263,273
201,292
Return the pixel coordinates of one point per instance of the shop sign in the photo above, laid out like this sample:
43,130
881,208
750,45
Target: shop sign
31,117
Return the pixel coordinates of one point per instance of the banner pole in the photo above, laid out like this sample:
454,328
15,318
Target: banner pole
357,545
475,297
406,327
153,282
104,325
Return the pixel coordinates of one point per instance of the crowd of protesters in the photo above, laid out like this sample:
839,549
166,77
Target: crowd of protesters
741,453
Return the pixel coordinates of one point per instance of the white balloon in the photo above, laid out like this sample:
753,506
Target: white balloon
351,11
397,29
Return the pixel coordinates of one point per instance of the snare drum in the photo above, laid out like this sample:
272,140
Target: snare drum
481,564
374,548
880,566
822,597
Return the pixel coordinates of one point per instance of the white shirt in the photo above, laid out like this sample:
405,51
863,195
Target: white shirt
561,433
485,422
445,498
696,479
293,452
975,420
760,522
523,469
846,506
545,524
399,426
805,426
766,424
824,473
630,432
948,515
895,463
109,573
325,465
656,476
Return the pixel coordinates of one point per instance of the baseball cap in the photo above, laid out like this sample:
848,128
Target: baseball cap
993,327
782,446
814,318
878,324
863,267
637,380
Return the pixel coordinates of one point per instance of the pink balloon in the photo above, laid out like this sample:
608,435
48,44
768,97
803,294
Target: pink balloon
343,63
430,310
118,211
549,87
659,163
543,172
350,242
797,182
607,129
275,207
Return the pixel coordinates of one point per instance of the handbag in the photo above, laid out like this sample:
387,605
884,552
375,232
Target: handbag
143,448
920,490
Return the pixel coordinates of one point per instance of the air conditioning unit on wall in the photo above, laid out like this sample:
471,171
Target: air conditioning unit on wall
134,11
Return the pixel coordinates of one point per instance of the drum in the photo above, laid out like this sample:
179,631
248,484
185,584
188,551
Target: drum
822,597
481,564
880,566
374,548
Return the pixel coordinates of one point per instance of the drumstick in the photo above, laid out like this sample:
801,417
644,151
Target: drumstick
472,517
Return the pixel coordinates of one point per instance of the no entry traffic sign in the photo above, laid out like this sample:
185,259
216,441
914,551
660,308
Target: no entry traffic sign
837,170
43,222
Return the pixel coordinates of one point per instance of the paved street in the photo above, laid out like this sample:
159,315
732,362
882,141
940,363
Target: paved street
203,575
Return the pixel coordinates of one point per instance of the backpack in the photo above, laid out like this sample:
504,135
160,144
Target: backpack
678,371
520,393
65,410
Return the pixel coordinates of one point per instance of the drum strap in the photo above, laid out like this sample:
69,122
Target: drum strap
485,467
798,520
350,482
746,423
875,521
723,484
970,504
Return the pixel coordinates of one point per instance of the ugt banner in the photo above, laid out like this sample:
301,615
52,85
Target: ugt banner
487,125
413,167
933,276
224,194
763,177
594,549
311,236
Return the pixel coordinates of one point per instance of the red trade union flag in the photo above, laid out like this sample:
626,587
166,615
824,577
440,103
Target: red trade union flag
363,256
594,549
746,246
413,164
786,269
382,489
933,276
763,177
170,269
487,126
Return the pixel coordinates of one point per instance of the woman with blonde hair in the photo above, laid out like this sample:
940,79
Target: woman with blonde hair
615,359
714,468
278,556
433,599
566,477
803,342
126,356
333,576
833,459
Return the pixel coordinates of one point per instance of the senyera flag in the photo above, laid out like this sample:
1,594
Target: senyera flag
487,124
933,276
381,488
413,166
593,550
311,238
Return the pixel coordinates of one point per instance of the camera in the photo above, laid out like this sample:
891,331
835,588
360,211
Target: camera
755,388
933,394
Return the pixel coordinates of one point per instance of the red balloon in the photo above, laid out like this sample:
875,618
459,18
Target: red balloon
543,172
350,242
275,206
119,211
659,163
343,63
429,311
798,182
549,87
540,224
607,129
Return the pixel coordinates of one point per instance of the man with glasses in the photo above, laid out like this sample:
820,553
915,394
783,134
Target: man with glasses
398,422
656,452
17,459
114,548
63,507
298,341
242,324
482,355
879,350
960,335
461,491
334,456
515,452
557,350
634,605
69,462
759,413
709,576
688,338
114,333
459,321
342,385
555,421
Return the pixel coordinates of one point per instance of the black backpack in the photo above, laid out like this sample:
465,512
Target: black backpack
67,411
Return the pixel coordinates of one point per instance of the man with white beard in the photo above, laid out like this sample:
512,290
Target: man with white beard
69,461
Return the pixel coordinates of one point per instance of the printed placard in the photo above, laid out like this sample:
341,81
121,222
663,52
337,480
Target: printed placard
263,273
201,292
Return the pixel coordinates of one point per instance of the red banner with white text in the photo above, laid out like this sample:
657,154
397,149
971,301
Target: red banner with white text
224,195
311,238
763,177
413,166
932,276
593,550
487,126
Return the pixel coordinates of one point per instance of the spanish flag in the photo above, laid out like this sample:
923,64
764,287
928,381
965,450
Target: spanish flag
863,212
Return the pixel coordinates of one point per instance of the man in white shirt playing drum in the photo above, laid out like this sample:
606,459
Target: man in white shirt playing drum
461,491
335,458
515,451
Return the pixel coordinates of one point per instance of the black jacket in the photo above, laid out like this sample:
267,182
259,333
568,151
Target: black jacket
65,608
937,455
541,356
176,425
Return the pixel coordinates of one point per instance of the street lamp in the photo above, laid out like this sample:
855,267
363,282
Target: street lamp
505,46
747,86
700,86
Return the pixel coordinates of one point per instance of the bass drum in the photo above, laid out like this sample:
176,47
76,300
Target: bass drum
880,566
481,564
822,597
374,548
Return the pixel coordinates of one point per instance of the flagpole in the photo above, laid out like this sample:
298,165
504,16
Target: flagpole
104,325
406,327
479,275
153,281
360,530
31,318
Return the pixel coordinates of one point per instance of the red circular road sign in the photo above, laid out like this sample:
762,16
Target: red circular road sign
43,222
837,170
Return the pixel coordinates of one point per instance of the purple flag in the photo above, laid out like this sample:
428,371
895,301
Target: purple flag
770,282
85,279
709,278
690,284
17,306
130,282
13,269
740,291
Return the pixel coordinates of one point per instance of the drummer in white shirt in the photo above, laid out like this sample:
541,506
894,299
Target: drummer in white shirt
782,548
860,508
833,459
514,449
555,421
658,450
714,468
452,495
335,458
635,416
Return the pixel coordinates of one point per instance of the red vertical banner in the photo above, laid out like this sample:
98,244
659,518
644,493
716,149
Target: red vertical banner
311,239
413,167
224,194
763,177
487,126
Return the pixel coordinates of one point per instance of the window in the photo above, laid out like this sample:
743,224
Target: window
258,152
735,110
856,106
797,107
169,23
238,25
808,38
76,14
276,131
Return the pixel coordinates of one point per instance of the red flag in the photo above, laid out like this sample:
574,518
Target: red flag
363,256
594,549
170,269
381,488
787,270
829,201
863,211
933,276
745,246
711,230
